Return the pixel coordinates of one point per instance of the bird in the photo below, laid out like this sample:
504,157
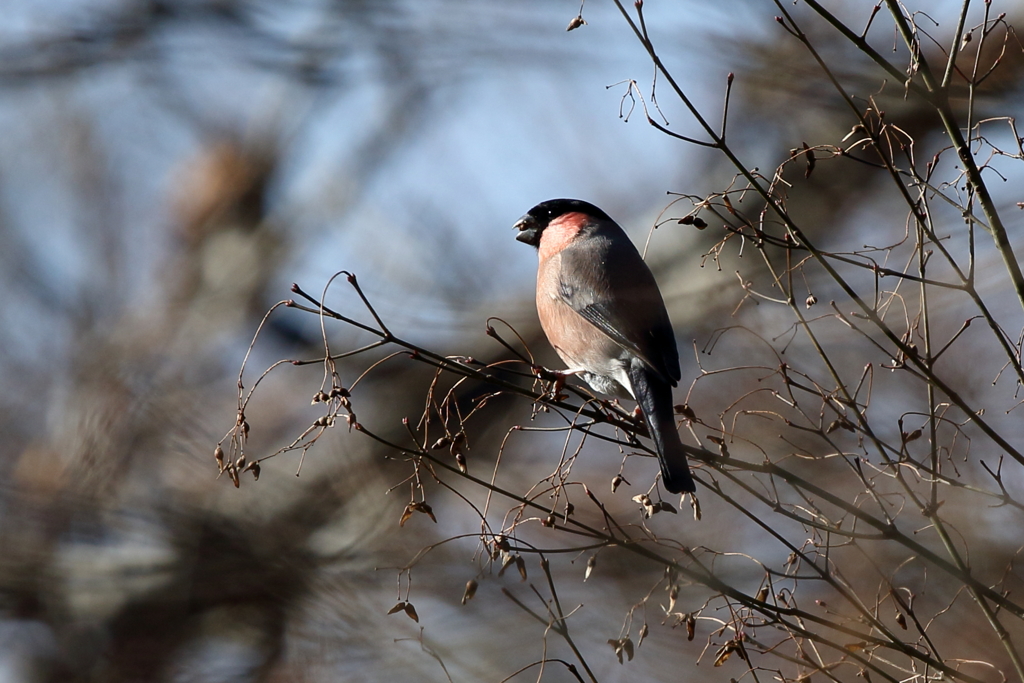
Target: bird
600,308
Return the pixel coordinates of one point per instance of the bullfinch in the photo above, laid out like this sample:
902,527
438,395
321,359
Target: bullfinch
601,309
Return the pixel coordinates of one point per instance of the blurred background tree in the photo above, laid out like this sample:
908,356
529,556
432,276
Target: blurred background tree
169,168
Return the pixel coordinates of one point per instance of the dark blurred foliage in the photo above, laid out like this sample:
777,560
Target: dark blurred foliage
172,135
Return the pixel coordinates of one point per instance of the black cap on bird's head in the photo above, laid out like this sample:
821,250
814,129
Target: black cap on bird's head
536,219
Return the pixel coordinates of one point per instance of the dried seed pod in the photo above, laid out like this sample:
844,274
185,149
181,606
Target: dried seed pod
720,442
428,511
686,411
406,514
521,566
912,436
411,612
399,606
508,561
627,647
576,22
724,652
591,562
616,644
645,501
470,591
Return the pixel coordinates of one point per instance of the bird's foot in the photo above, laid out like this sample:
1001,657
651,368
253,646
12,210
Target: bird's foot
557,379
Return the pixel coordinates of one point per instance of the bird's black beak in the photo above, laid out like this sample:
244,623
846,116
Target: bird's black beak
529,230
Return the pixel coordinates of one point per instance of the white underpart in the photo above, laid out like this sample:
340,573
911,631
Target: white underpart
611,379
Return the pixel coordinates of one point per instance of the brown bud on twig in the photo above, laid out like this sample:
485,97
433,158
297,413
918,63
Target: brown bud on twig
591,563
965,41
576,22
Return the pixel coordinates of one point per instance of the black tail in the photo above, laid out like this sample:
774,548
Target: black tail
654,395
